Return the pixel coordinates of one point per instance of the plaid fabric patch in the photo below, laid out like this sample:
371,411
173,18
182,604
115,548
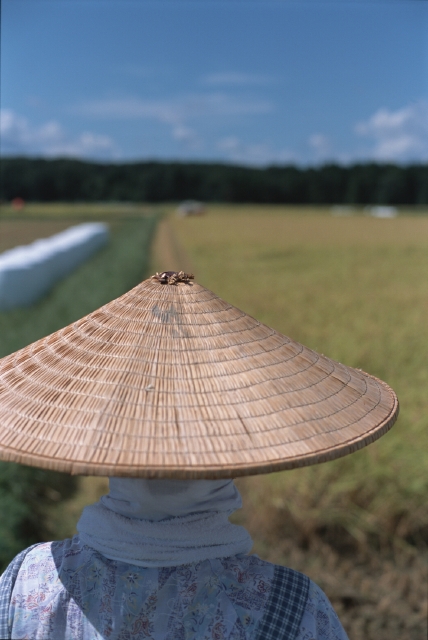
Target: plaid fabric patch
286,606
7,582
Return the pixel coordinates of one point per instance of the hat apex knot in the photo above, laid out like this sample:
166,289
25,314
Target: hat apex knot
173,277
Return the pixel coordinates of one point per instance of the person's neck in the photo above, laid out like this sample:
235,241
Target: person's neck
164,522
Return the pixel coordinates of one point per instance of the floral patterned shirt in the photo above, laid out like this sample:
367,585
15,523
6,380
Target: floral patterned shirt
68,590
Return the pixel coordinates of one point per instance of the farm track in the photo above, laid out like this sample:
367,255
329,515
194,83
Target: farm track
168,253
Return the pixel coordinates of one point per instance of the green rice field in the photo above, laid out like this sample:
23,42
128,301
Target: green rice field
356,289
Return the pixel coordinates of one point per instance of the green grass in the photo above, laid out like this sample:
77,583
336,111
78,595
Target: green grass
355,289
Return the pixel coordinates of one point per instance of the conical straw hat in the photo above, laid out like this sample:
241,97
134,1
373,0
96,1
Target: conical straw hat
171,381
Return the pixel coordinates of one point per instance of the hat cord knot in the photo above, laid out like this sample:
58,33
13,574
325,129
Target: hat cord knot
173,277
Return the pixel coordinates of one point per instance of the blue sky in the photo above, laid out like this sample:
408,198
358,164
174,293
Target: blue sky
256,83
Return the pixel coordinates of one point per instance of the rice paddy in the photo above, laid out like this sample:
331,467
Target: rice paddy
355,289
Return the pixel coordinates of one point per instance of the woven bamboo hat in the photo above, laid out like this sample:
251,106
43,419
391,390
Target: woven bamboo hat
171,381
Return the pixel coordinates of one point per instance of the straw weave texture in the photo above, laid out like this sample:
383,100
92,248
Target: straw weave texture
171,381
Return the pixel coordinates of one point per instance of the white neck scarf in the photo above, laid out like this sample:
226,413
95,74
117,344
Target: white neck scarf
165,523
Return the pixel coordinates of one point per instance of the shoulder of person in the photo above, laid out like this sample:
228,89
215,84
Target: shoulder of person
298,608
320,621
34,554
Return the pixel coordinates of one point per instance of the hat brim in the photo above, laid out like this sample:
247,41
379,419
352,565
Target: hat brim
171,381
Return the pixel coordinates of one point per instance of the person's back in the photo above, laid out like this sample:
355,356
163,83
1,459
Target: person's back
69,590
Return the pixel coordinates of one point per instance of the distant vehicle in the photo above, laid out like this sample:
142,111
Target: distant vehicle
190,208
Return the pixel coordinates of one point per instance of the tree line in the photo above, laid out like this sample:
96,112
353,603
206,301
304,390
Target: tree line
70,180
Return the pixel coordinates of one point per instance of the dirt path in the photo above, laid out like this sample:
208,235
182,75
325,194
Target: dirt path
167,252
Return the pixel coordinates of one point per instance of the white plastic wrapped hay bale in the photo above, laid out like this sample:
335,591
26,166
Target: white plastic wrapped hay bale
28,272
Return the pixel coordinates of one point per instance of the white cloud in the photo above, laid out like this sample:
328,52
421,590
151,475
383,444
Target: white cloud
234,78
187,136
321,145
18,136
254,154
174,110
398,135
177,112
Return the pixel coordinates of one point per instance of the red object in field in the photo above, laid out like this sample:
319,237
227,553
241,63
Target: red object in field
18,204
